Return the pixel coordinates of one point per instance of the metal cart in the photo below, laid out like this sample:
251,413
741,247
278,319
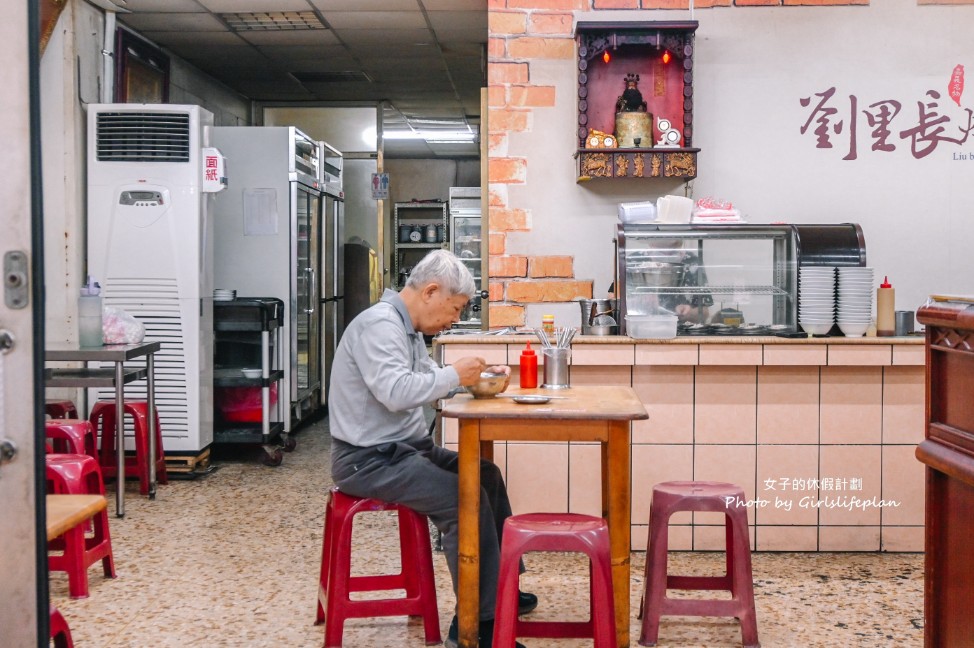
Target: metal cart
247,338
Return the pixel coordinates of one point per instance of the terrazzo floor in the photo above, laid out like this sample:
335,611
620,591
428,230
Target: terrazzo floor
232,559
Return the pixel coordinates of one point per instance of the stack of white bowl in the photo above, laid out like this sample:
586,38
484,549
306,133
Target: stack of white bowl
224,294
855,290
816,299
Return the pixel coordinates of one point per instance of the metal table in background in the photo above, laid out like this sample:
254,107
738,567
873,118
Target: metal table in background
118,377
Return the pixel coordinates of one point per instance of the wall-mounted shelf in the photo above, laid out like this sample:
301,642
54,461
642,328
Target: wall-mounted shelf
659,57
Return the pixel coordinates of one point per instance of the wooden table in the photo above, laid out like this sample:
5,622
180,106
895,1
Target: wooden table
117,378
587,413
67,511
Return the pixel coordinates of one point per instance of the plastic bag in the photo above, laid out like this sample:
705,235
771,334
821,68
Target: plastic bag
121,328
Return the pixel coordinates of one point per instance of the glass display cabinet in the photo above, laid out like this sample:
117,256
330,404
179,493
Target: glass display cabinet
467,242
718,279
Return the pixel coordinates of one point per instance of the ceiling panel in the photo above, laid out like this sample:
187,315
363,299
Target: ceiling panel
195,22
367,5
247,6
192,40
299,52
375,19
160,5
295,37
456,5
452,20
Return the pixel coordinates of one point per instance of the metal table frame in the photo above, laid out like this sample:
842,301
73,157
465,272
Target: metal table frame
86,378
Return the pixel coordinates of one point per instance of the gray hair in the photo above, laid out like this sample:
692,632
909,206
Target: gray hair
444,268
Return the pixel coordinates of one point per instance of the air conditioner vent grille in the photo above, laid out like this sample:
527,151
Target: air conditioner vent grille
142,137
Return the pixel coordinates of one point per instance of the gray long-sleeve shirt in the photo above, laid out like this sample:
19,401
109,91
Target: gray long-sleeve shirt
381,377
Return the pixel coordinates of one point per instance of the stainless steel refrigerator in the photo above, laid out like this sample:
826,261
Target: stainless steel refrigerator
333,280
267,243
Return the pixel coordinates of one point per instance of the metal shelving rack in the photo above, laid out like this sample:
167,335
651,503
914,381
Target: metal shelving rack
247,332
408,253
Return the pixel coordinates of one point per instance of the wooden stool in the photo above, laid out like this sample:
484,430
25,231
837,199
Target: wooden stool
556,532
71,436
75,474
669,498
336,582
60,633
102,419
59,409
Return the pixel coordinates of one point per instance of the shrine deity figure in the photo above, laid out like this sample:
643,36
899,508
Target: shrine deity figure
631,100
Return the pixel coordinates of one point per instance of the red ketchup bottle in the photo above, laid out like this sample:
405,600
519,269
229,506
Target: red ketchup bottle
529,368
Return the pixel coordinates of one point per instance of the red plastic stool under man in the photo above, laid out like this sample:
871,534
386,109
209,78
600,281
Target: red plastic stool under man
103,420
336,582
569,532
669,498
60,633
74,474
58,408
72,436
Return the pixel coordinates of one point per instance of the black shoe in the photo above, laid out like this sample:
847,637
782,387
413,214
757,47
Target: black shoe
485,634
526,602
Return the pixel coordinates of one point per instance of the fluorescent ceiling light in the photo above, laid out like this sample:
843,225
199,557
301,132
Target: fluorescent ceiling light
431,135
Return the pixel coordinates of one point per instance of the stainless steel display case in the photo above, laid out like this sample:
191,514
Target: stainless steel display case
719,279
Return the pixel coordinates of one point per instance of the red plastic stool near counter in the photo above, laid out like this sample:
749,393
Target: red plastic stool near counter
74,474
72,436
568,532
336,582
102,418
718,497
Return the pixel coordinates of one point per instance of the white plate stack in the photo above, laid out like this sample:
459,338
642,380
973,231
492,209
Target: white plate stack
816,299
855,290
224,294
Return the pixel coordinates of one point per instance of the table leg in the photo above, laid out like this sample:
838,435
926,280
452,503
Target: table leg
120,439
617,482
468,580
150,386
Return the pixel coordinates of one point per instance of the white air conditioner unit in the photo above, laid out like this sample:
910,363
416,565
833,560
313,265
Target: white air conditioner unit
150,244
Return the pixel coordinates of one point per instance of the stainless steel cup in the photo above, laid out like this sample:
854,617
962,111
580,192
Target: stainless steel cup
904,322
556,367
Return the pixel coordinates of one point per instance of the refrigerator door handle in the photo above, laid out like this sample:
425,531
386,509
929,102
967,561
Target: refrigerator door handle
314,290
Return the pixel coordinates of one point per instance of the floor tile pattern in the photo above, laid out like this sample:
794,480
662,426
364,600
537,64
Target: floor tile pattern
231,560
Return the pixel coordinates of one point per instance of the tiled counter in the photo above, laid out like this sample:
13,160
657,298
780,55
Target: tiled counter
820,432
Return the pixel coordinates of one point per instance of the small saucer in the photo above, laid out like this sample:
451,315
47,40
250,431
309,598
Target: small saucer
530,400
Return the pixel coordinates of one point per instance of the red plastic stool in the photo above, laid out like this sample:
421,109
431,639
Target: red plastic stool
59,409
74,474
569,532
73,436
102,419
668,498
336,582
60,633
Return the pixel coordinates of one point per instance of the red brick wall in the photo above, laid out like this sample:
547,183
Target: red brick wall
522,31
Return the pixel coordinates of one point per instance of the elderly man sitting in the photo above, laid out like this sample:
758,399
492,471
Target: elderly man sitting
381,377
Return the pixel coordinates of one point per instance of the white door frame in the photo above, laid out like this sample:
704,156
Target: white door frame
23,569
